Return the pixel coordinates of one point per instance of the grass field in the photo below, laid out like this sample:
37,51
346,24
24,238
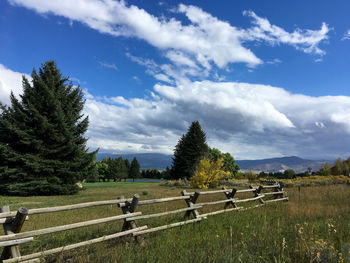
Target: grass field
314,226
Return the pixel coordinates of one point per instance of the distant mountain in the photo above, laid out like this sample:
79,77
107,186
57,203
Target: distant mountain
161,161
276,164
146,160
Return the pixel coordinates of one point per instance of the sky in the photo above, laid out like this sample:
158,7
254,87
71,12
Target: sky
264,78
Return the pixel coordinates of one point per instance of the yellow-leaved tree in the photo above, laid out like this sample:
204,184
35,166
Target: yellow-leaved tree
208,173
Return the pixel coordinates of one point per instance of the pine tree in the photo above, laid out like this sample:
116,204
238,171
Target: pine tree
127,165
188,152
134,169
42,148
122,169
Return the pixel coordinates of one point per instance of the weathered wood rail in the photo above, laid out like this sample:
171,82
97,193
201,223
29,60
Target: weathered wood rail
13,221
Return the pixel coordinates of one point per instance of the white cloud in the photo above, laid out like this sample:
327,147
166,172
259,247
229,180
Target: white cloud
306,40
342,118
108,65
204,41
320,124
164,78
10,81
346,35
274,61
248,120
181,59
137,79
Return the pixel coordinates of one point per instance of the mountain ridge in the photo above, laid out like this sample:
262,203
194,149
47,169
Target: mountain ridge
281,163
161,161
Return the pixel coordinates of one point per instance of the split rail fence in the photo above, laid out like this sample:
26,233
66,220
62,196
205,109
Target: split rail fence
13,221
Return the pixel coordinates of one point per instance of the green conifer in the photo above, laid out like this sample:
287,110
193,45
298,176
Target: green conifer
42,148
189,151
134,169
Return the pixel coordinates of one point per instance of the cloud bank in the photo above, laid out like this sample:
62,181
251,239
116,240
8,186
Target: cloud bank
248,120
245,119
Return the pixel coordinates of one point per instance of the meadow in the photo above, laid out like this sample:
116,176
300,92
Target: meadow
314,226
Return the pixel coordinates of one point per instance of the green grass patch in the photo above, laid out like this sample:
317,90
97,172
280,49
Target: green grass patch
313,226
117,184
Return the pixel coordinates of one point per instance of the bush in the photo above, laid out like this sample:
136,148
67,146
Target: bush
178,183
145,192
252,176
208,173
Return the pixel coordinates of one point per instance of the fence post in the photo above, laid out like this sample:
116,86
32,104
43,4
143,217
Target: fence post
230,195
190,203
12,227
280,189
127,208
257,192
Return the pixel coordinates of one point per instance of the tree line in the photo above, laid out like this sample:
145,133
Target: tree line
340,167
115,169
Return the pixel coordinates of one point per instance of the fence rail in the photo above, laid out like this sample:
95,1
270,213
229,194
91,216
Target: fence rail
13,221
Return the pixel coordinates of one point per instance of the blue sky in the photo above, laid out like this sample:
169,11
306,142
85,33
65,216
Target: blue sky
264,78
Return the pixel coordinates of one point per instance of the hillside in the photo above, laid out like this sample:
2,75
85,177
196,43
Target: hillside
161,161
276,164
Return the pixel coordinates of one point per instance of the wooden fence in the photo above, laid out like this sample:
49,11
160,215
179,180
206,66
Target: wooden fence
13,221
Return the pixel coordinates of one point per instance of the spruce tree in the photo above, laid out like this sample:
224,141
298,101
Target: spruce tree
42,148
123,171
134,169
127,165
190,149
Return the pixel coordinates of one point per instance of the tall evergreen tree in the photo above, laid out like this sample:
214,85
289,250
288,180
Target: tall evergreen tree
134,169
189,151
42,148
123,171
127,165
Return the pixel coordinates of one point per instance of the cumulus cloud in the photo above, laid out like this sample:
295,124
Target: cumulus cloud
248,120
204,41
10,81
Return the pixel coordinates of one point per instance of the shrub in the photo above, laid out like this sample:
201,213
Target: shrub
208,173
145,192
178,183
252,176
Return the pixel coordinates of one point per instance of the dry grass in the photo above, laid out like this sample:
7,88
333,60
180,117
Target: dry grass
283,232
